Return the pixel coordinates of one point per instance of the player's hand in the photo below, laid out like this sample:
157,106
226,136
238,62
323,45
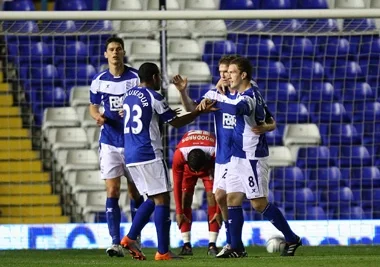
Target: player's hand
177,111
220,87
206,105
180,83
121,113
260,129
217,218
100,120
181,218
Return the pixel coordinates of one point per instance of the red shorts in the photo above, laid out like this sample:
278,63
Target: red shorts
189,182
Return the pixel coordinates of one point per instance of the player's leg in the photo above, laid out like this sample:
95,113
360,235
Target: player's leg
258,185
159,187
235,196
111,166
219,190
214,226
136,200
142,215
188,186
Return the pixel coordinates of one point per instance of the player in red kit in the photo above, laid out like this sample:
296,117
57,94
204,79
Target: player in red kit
194,159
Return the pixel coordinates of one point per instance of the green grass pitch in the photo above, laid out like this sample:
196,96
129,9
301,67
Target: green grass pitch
306,257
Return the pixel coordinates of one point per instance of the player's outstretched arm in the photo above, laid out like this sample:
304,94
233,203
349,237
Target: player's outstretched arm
96,115
189,117
267,126
181,85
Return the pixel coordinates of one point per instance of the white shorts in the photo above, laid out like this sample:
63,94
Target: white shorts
220,175
151,178
250,177
112,163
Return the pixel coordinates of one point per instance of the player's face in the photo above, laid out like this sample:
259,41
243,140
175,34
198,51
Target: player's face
224,75
115,53
235,76
157,81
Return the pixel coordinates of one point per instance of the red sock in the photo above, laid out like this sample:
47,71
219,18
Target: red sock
214,226
186,227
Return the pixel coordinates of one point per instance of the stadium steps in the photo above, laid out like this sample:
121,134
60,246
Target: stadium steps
31,211
24,178
34,220
25,190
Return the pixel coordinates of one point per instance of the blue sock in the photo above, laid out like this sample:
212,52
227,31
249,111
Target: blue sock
141,219
272,213
236,221
162,222
135,204
228,235
113,219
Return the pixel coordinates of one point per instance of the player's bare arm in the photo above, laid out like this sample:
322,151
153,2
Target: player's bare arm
267,126
96,115
188,118
181,85
204,105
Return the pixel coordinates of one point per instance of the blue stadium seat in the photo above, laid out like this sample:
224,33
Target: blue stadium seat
19,5
352,213
55,96
273,70
91,5
324,178
274,138
365,177
196,91
315,213
351,156
80,74
282,91
319,90
44,74
35,54
312,4
321,26
275,4
339,134
199,215
219,47
73,53
263,49
312,157
331,112
287,178
239,4
292,113
301,199
75,5
359,25
356,92
367,112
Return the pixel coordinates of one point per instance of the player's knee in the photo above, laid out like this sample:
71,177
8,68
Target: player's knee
235,199
113,191
259,204
221,197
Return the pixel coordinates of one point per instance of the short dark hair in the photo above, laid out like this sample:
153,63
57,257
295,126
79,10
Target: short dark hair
243,65
147,70
226,60
114,39
196,159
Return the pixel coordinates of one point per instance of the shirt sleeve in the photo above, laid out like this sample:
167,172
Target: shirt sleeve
178,168
95,96
162,108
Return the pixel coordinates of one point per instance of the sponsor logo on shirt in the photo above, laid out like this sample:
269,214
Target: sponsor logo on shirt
116,103
229,121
